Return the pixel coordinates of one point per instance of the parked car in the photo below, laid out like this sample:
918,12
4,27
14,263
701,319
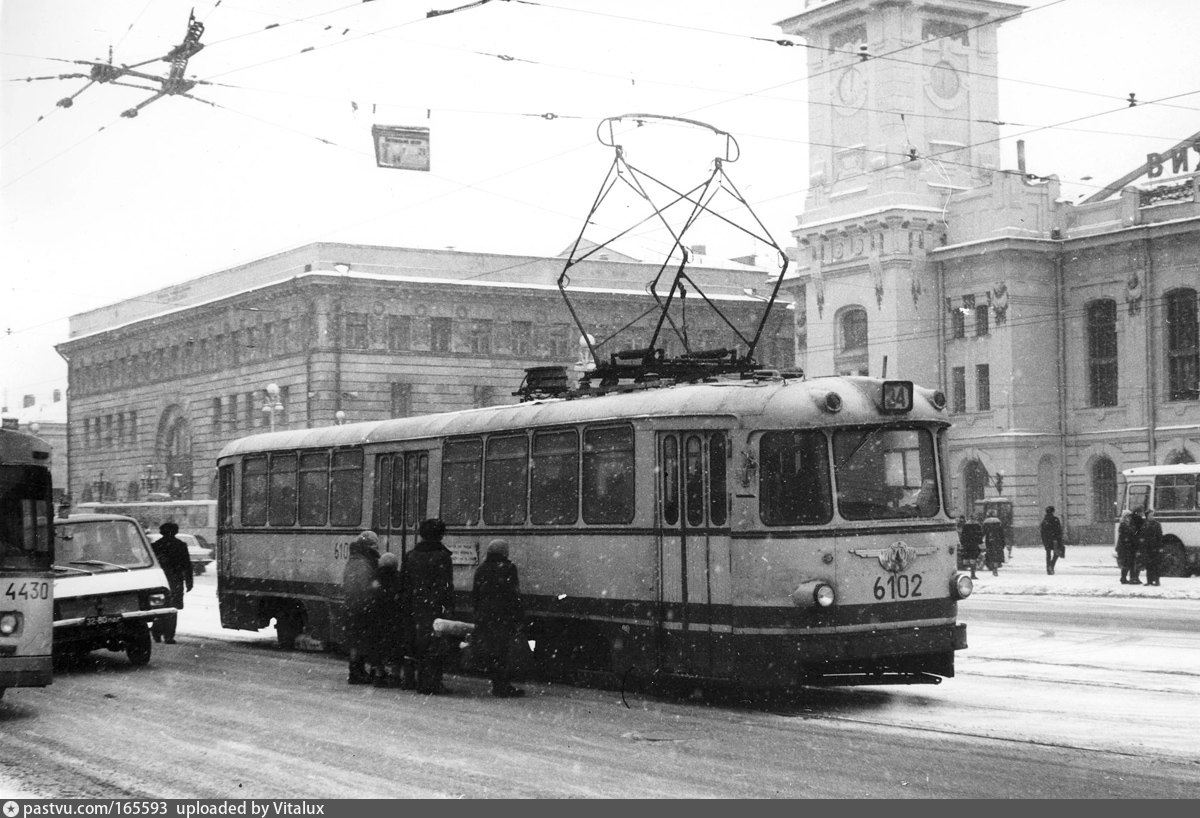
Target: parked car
198,550
108,587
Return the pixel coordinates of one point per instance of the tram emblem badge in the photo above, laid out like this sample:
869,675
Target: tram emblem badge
896,557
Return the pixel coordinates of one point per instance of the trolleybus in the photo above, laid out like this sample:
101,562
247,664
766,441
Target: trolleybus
761,530
26,557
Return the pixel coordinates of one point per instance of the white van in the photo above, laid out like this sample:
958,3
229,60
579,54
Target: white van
108,587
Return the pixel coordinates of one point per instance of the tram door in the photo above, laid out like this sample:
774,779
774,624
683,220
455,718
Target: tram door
401,498
693,547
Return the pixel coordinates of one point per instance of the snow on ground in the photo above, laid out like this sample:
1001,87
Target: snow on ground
1087,570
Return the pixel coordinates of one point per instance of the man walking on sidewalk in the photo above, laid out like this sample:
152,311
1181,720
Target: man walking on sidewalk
1052,535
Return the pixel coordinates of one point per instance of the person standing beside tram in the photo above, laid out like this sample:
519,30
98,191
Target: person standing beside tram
993,535
357,580
1125,547
172,555
427,579
970,538
388,610
496,597
1150,547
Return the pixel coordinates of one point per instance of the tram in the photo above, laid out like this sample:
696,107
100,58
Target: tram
26,557
761,530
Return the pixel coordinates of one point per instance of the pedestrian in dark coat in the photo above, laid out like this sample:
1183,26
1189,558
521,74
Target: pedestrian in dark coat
1150,547
172,555
993,535
357,579
970,538
388,607
1052,539
499,614
1136,521
1125,547
427,579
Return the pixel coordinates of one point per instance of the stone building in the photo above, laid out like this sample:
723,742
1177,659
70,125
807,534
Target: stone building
327,333
1063,335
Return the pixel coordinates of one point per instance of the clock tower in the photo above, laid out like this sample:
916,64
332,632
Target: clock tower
903,114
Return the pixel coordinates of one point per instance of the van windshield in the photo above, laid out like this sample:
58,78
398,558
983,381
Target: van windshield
100,545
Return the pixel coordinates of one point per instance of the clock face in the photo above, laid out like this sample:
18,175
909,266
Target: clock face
944,81
852,88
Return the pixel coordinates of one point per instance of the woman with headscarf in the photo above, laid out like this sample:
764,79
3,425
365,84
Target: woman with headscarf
496,596
357,579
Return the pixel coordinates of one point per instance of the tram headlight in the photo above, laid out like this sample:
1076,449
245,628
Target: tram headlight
815,593
10,623
961,586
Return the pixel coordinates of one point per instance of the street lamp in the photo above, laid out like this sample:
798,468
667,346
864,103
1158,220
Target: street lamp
273,406
339,417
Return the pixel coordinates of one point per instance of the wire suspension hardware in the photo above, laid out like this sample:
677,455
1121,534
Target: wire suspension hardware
645,362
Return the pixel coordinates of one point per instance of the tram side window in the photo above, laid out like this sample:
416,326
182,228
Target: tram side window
794,481
718,498
314,488
505,479
554,482
1175,492
254,491
461,479
345,488
225,496
281,490
608,471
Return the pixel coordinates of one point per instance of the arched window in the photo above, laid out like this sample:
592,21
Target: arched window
1102,352
1183,346
851,341
975,480
1104,490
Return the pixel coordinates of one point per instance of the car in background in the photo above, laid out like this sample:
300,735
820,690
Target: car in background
108,587
198,550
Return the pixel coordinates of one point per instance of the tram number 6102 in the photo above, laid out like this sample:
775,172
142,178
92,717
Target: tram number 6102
898,586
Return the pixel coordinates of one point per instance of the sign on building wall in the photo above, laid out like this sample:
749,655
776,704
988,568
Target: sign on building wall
401,147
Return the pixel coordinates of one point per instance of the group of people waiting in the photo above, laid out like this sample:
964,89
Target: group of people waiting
391,607
1139,542
982,536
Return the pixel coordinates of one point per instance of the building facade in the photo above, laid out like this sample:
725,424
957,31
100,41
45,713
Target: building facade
333,333
1064,336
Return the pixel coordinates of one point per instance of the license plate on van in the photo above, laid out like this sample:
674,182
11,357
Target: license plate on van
104,619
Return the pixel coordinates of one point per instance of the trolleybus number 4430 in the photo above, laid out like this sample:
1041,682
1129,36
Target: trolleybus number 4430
27,590
898,586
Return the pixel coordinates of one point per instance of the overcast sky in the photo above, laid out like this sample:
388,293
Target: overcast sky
95,208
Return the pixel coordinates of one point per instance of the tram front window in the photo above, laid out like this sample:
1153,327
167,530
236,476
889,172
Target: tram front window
24,518
795,479
885,474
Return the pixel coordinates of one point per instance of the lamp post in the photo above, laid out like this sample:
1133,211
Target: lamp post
273,405
339,417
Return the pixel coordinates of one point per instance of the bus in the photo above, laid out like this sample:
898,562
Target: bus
198,517
766,531
26,560
1171,491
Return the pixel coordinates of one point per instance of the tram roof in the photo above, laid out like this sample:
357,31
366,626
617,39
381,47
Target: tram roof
773,403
